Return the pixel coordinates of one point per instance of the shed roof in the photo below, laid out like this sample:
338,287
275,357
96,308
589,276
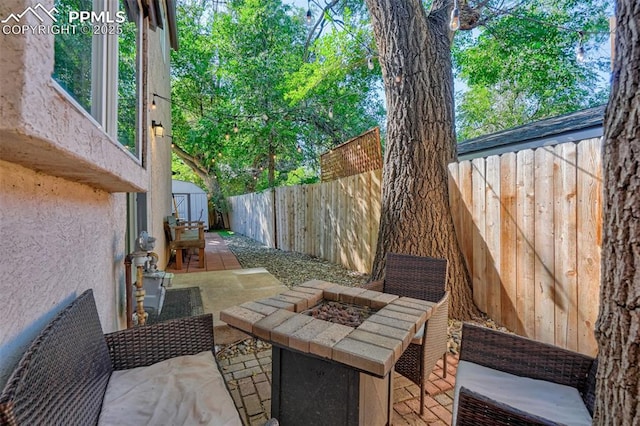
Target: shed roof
183,187
575,126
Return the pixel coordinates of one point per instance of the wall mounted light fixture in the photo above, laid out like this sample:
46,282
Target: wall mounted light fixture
158,130
153,101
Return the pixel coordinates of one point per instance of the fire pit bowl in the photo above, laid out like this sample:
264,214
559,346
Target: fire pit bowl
347,314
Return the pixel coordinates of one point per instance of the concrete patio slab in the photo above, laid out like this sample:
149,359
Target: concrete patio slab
223,289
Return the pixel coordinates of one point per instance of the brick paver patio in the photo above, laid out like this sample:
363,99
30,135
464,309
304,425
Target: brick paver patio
218,257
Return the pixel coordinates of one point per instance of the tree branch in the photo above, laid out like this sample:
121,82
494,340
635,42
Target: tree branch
191,161
314,33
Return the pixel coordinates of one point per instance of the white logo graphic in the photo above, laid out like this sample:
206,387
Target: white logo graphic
88,22
34,12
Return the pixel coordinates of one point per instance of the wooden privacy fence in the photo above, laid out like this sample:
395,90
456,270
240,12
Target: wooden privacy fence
337,221
253,215
529,224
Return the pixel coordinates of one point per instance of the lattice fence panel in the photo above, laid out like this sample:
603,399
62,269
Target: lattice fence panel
358,155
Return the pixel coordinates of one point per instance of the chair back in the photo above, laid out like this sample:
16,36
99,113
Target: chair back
62,378
420,277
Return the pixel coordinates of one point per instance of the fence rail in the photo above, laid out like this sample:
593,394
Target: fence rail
529,224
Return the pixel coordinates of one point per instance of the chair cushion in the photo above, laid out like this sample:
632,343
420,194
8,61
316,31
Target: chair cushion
557,403
186,390
417,338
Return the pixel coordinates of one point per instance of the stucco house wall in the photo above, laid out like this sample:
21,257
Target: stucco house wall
64,210
160,153
58,239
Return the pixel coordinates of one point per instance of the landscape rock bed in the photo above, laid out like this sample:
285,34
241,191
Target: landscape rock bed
340,313
289,267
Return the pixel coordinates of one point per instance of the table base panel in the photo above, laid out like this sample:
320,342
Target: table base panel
312,391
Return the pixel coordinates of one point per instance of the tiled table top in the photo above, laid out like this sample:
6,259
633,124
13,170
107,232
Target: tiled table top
373,347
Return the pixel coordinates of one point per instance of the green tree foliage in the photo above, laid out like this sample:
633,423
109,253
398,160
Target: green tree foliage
127,85
520,64
253,100
73,55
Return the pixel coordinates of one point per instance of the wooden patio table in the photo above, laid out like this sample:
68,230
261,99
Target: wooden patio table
328,373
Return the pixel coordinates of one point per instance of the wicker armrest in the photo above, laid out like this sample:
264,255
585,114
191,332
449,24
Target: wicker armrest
475,409
374,285
146,345
524,357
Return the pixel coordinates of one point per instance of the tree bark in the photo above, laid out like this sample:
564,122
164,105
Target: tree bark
415,57
618,325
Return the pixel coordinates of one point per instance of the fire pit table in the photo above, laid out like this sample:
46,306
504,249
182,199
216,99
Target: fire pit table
324,372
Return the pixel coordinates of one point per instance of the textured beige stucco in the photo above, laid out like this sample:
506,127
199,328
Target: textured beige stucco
59,238
37,117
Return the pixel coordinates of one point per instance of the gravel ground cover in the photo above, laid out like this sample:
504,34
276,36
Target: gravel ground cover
295,268
289,267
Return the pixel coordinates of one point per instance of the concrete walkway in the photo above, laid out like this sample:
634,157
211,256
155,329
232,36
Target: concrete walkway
223,283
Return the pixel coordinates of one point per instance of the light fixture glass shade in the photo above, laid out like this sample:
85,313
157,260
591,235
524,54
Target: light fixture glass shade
158,130
454,23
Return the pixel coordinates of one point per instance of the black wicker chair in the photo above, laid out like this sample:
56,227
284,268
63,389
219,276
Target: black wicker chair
63,376
421,278
522,357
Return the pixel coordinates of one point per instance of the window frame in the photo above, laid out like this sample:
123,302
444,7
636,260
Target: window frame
104,79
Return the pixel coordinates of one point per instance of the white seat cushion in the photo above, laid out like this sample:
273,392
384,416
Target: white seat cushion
186,390
558,403
417,338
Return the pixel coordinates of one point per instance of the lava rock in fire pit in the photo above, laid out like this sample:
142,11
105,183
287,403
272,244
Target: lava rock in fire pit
340,313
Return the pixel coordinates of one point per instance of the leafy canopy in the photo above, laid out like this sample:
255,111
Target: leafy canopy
249,108
522,66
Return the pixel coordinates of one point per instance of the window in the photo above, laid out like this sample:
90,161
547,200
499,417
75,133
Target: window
73,55
97,63
128,86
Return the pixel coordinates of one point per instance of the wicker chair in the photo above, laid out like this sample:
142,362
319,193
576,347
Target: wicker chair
421,278
518,356
63,376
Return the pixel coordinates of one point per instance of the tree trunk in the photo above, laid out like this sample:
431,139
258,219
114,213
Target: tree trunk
271,164
618,325
415,57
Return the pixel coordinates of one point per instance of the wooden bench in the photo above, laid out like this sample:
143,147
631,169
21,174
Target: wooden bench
184,236
73,374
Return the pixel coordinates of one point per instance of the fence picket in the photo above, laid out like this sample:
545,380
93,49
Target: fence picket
589,240
566,293
544,245
508,235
